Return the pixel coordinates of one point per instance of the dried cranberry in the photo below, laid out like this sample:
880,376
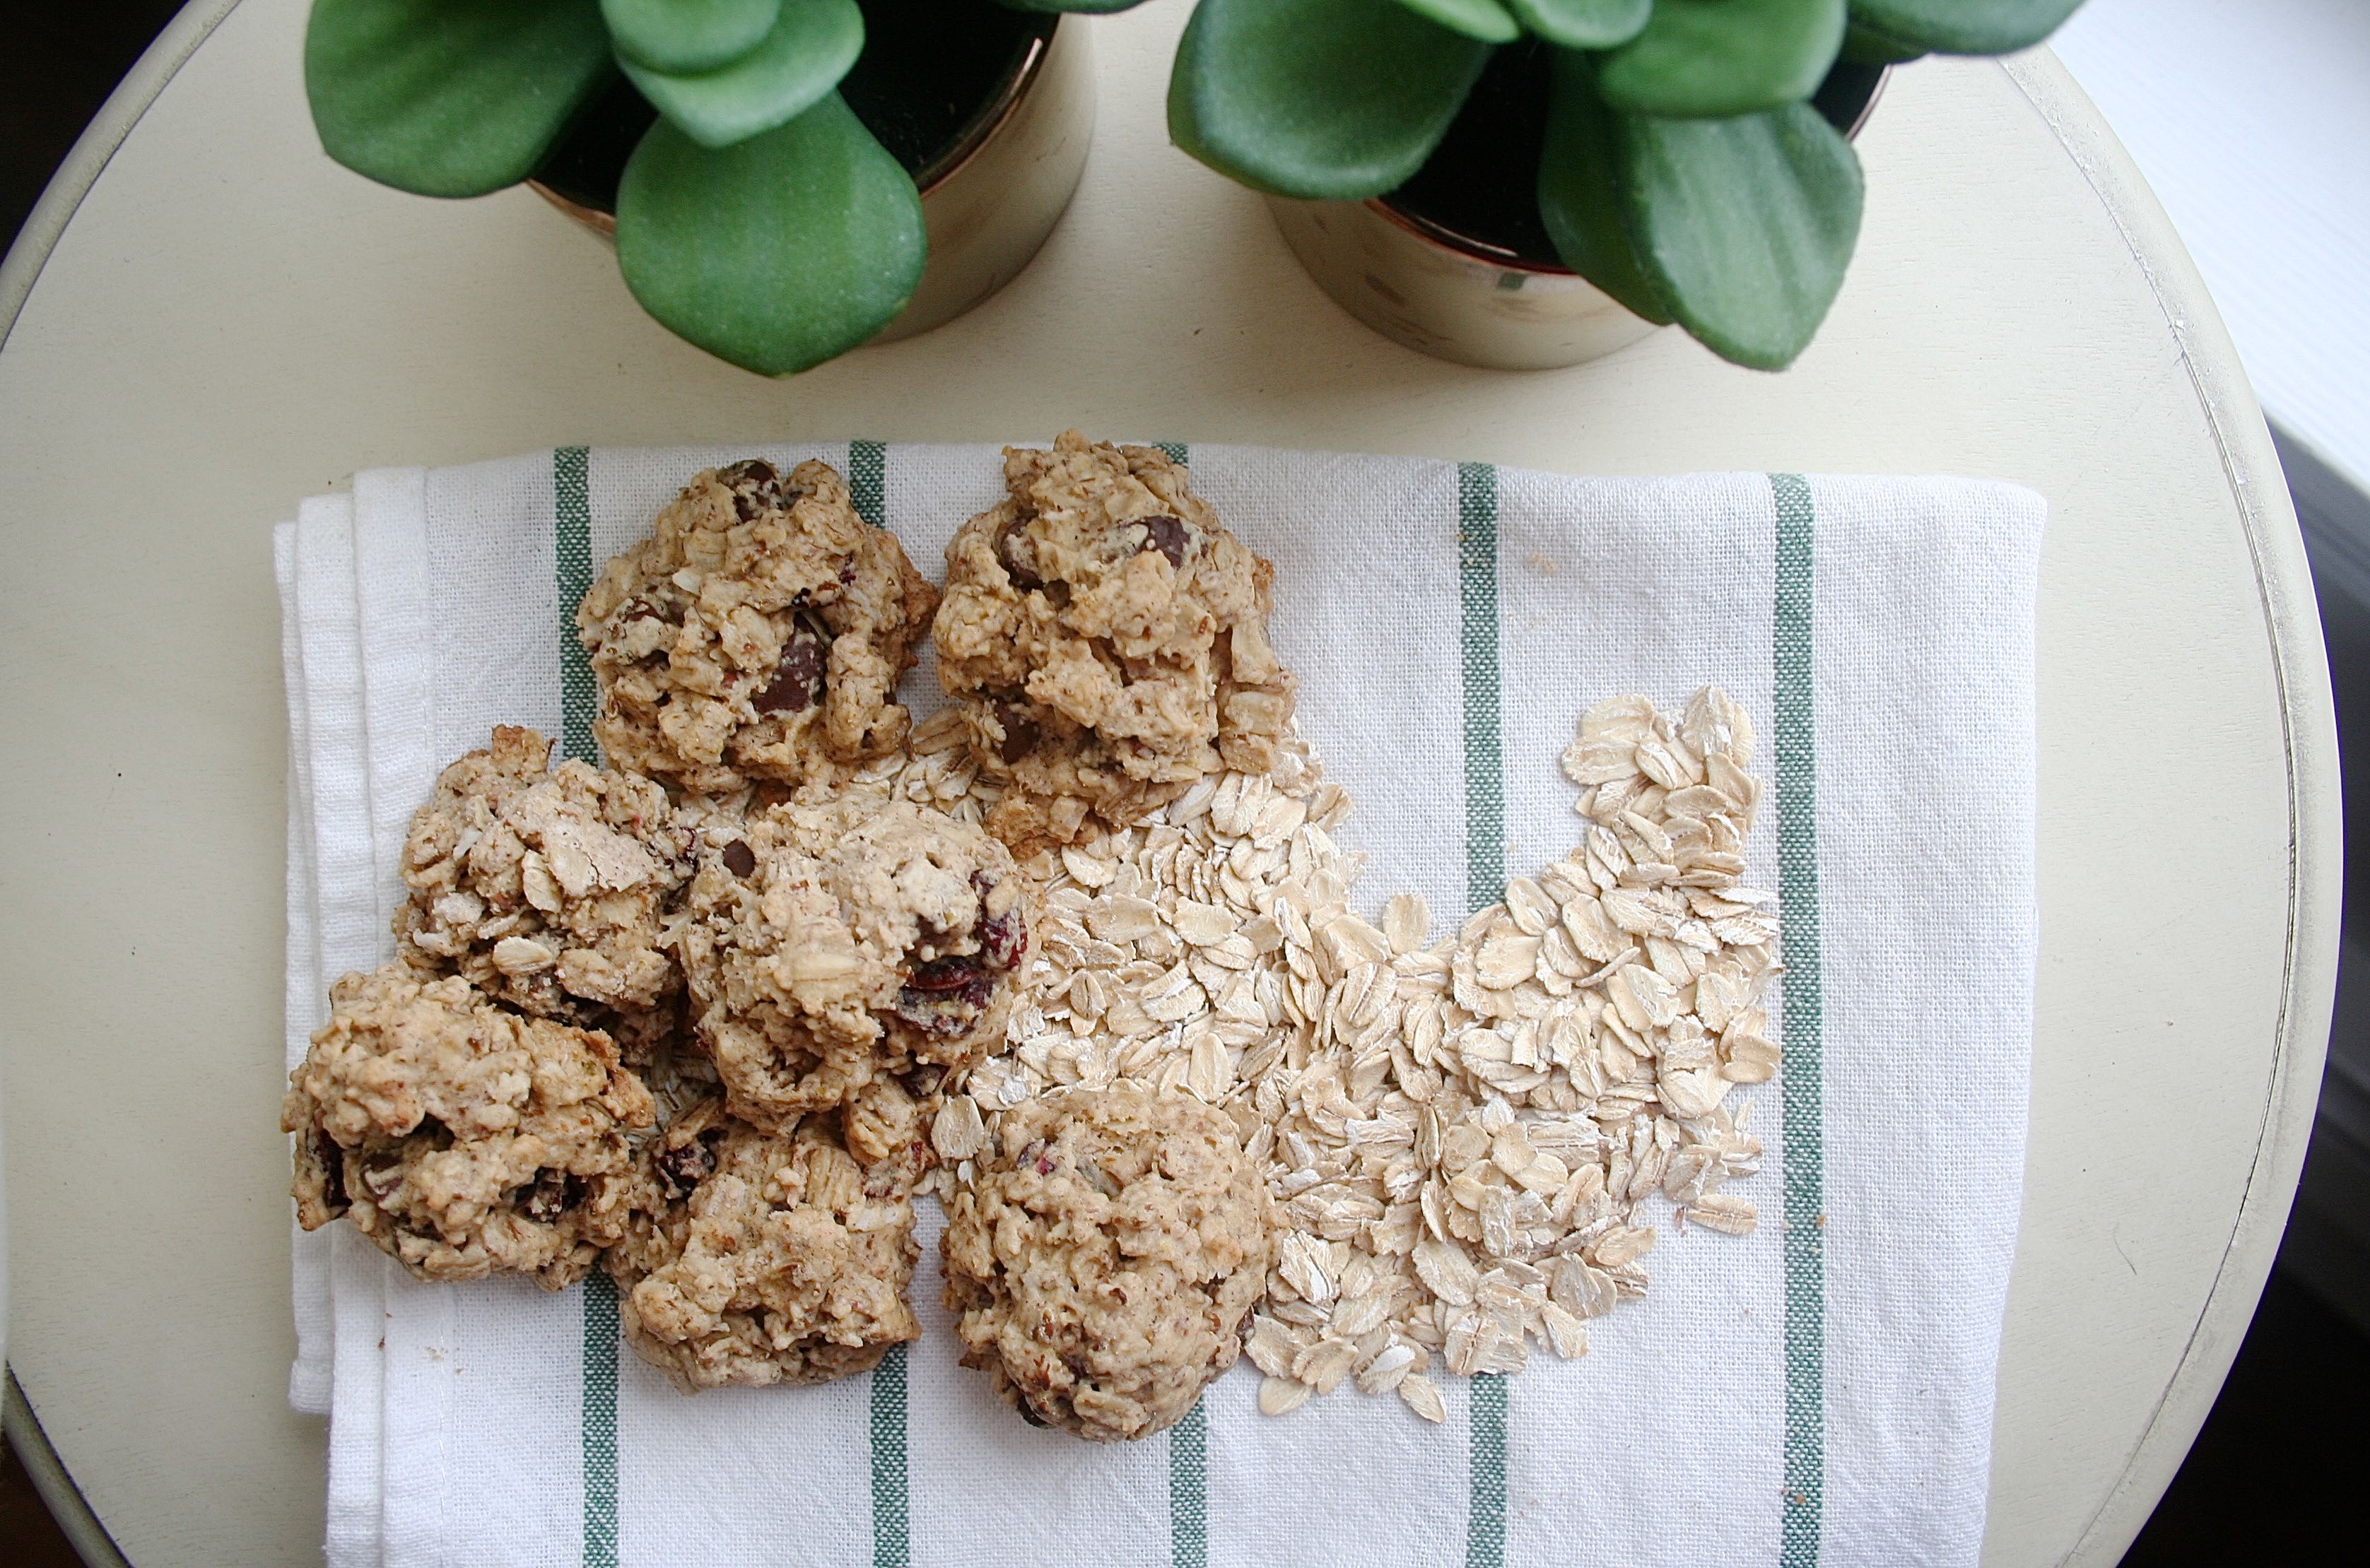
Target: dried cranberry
738,858
944,998
332,1160
1165,535
683,1167
1004,938
552,1194
798,679
943,974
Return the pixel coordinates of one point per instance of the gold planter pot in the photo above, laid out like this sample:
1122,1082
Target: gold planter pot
990,200
1457,297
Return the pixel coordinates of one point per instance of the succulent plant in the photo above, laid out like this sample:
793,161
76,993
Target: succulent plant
1682,170
757,218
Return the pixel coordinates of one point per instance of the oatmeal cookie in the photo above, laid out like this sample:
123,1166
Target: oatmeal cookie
838,940
1105,640
757,1258
1105,1262
545,889
759,633
459,1137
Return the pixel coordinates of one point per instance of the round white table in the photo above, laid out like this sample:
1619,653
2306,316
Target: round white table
207,319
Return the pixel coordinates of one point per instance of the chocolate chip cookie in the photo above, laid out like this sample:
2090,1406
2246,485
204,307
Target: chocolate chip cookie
1106,1258
1105,640
759,633
546,890
758,1258
838,940
461,1137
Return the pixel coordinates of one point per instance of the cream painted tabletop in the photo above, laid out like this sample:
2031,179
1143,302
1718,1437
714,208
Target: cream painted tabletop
215,320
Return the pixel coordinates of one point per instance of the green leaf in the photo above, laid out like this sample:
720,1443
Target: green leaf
1583,24
1965,26
1745,224
1864,45
1580,191
776,253
812,46
1484,20
689,35
1330,99
1722,57
450,97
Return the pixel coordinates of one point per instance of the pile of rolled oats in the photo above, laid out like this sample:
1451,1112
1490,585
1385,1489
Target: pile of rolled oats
1464,1135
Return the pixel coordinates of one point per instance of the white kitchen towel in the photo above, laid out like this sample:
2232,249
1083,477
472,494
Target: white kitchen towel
1818,1393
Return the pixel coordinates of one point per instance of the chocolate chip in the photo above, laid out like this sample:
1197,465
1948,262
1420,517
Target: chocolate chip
1165,535
738,858
798,679
552,1194
1022,578
1020,735
683,1167
332,1159
754,483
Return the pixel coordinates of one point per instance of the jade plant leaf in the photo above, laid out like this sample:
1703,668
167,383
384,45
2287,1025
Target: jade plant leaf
812,46
1331,100
1744,224
777,252
450,97
1484,20
689,35
1583,24
1866,46
1722,57
1579,190
1965,26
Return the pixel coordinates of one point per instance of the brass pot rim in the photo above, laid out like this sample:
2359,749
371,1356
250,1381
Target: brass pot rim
1466,247
976,133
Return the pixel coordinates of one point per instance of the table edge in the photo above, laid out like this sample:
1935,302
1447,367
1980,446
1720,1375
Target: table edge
88,160
2309,734
58,1491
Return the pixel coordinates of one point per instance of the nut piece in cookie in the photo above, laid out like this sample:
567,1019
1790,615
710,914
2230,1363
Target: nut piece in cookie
1105,1260
1105,639
758,1258
544,889
837,941
460,1138
759,633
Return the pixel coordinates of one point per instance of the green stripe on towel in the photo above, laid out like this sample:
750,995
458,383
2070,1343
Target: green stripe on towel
1188,1440
572,574
867,464
1485,879
1188,1495
1799,1094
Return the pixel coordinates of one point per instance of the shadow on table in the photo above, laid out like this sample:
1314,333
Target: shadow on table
2276,1475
